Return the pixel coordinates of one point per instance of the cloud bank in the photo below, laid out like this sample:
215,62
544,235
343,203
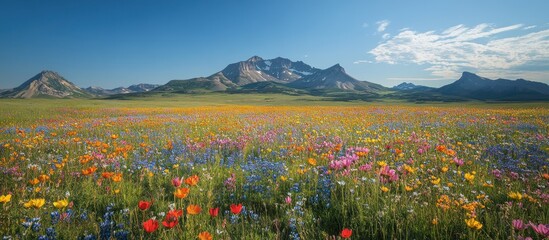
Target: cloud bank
492,52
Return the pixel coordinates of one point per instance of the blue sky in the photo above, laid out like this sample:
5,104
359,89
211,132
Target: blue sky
119,43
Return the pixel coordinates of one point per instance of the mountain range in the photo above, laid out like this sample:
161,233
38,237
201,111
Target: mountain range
137,88
281,75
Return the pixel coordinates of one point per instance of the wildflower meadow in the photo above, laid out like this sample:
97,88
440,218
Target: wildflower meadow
275,172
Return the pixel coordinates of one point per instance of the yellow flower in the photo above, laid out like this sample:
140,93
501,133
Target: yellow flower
61,203
36,203
434,221
444,169
407,188
435,181
384,189
312,161
515,195
5,198
409,169
381,163
470,177
283,178
473,223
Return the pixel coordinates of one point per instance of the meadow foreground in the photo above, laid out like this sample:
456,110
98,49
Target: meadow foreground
274,172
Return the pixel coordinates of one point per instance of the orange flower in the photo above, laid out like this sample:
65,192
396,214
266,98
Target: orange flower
107,175
89,171
34,181
205,236
181,192
193,209
192,180
43,178
117,177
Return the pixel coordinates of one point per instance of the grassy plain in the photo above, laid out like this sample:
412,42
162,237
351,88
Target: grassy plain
302,167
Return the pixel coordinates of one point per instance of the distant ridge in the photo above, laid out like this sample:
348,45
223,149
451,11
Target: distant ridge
47,84
470,85
137,88
410,86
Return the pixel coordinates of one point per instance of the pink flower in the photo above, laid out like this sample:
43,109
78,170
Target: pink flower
458,162
176,182
387,174
366,167
288,200
519,225
541,229
514,175
496,173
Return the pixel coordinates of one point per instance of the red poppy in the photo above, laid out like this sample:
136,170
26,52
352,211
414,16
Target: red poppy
236,208
175,213
346,233
214,212
144,205
150,225
170,221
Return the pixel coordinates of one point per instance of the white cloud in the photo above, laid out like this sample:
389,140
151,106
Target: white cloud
386,36
382,25
529,27
413,79
480,49
362,61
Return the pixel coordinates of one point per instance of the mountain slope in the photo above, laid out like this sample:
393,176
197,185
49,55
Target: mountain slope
334,77
255,69
212,83
473,86
46,84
